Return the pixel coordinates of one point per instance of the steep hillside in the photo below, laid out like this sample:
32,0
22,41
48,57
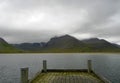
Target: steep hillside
7,48
100,45
64,43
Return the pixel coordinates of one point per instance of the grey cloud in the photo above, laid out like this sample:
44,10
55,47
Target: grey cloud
16,36
100,14
38,20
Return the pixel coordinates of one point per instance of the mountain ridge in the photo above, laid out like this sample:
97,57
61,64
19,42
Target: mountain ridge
61,44
67,43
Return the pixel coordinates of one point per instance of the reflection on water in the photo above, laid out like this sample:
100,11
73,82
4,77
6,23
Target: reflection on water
104,64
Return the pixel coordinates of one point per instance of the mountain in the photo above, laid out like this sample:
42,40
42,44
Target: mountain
100,45
67,43
64,42
7,48
30,46
116,45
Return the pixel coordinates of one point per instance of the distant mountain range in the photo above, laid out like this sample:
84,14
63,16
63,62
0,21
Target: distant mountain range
62,44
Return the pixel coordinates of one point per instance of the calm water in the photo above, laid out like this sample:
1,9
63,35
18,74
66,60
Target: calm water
107,65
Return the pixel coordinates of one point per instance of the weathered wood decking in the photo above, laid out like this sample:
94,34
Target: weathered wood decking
66,76
63,75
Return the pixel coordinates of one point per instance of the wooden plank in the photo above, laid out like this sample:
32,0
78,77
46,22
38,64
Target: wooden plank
66,77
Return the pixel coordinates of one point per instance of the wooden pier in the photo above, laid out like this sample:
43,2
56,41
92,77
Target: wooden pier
64,75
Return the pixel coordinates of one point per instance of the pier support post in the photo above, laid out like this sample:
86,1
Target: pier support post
24,75
44,66
89,66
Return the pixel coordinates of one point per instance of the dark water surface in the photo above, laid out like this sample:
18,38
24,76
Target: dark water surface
107,65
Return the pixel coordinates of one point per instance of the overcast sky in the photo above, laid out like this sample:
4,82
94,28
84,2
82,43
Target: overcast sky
39,20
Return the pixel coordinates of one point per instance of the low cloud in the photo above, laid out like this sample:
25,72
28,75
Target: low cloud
39,20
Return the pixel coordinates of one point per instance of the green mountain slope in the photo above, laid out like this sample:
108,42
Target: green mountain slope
7,48
100,45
